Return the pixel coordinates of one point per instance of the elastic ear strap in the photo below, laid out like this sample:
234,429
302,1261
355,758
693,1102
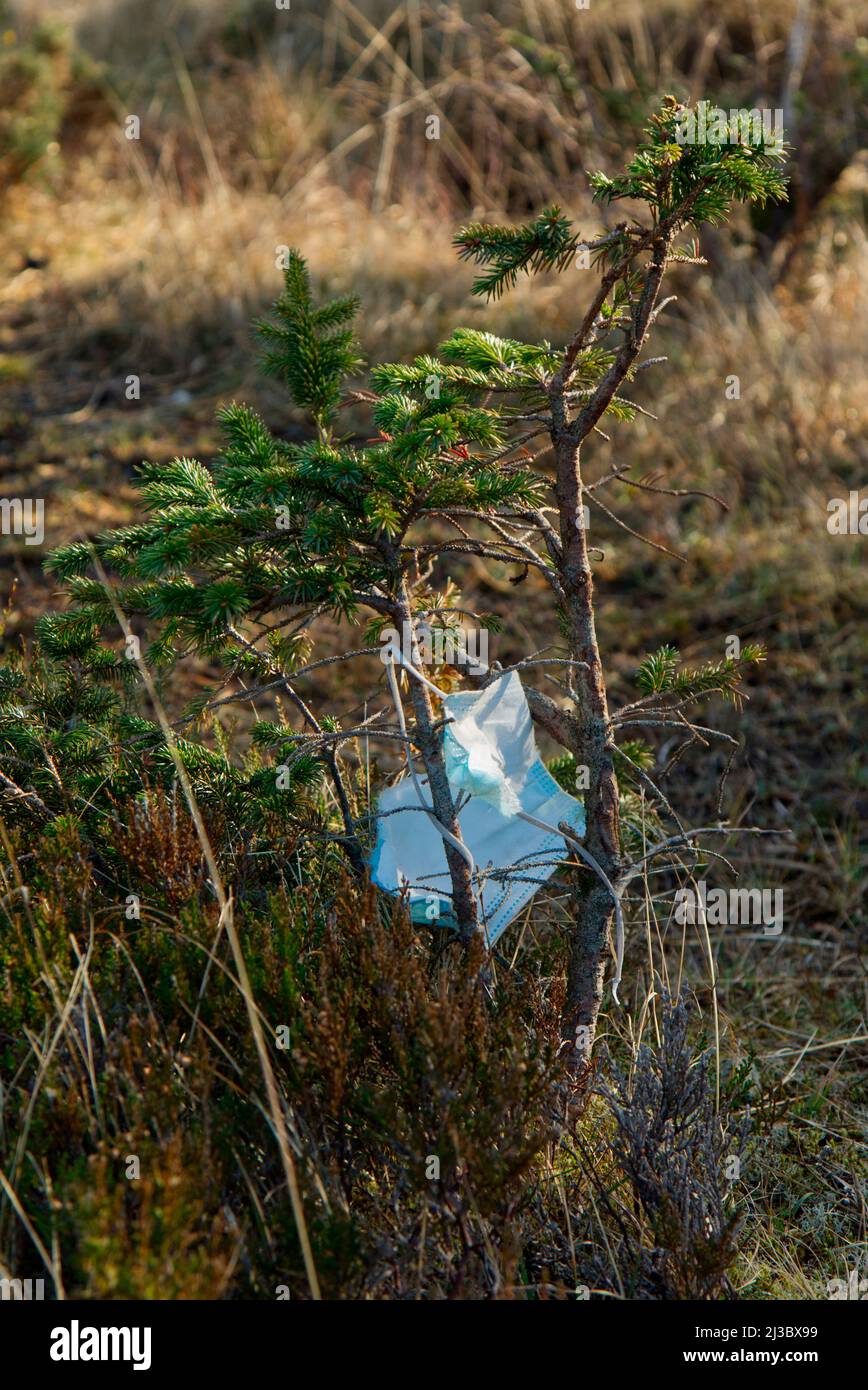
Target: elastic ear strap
414,671
603,876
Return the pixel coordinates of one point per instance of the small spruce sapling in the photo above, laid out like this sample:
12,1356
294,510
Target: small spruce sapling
240,560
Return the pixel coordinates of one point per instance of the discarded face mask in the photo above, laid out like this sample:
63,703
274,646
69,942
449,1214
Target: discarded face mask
497,780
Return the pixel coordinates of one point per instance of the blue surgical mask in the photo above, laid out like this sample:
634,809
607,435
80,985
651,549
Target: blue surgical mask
496,776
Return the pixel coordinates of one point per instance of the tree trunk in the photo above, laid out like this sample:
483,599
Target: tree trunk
431,748
594,748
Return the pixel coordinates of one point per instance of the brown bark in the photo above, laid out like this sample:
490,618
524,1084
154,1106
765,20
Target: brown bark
593,747
593,743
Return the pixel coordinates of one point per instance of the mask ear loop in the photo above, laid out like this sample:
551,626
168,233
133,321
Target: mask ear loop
414,671
457,845
604,878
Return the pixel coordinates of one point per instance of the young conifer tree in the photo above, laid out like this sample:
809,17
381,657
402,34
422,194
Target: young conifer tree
240,560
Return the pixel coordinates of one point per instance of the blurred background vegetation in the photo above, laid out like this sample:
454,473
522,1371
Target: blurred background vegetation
261,128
